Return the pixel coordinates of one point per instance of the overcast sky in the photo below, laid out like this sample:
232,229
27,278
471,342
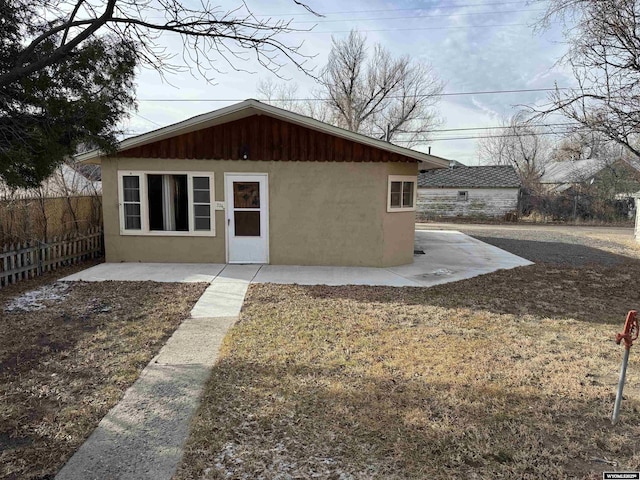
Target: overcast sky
472,45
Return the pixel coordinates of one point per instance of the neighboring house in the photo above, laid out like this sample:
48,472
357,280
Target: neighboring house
66,180
487,191
252,183
619,176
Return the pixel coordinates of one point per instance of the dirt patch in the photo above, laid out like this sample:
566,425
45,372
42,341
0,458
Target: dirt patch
507,375
569,246
64,366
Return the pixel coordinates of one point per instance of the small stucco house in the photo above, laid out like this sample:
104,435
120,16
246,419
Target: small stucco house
252,183
461,191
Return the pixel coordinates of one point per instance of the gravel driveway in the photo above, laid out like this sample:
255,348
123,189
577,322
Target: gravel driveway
558,245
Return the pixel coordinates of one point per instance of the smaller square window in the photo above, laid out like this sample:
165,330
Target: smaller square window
463,196
401,194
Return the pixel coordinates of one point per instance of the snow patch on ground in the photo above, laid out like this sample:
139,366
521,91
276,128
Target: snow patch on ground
33,300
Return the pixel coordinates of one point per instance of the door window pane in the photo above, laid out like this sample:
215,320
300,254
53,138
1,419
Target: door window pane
247,224
246,194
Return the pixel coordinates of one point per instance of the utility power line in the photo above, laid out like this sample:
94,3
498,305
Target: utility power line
445,94
344,12
493,12
451,27
478,137
501,127
443,139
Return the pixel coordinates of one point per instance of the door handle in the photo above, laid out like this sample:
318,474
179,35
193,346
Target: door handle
228,221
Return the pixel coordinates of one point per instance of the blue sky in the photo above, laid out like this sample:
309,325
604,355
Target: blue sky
473,45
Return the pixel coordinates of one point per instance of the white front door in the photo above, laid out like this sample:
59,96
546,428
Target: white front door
247,211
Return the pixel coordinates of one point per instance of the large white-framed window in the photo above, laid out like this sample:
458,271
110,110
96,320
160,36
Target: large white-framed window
170,203
401,193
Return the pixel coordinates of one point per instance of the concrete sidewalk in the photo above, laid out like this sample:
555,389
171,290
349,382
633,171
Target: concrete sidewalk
143,436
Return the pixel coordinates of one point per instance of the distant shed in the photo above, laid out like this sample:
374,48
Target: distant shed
484,191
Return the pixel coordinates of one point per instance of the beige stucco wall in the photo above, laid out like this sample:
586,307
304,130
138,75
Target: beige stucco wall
320,213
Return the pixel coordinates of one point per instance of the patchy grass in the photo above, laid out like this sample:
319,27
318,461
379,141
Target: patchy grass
507,375
63,367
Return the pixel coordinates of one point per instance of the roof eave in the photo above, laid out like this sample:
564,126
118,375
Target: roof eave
94,156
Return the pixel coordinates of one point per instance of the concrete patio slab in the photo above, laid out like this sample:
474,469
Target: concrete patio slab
238,273
157,272
448,256
300,275
451,256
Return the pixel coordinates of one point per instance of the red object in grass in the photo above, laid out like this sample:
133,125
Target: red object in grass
631,330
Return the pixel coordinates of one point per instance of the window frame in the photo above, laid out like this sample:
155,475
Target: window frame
463,196
402,178
144,204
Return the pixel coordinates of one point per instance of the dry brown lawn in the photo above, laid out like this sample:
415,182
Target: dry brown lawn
507,375
63,367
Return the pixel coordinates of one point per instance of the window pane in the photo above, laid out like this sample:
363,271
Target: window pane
131,188
201,183
247,224
407,194
132,220
246,194
395,199
201,196
202,210
203,223
131,181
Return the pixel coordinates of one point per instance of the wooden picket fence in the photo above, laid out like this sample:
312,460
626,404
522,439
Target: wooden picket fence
26,260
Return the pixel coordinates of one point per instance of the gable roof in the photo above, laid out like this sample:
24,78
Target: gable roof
576,171
571,171
254,107
491,176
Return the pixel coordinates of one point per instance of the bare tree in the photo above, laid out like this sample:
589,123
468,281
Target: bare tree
604,42
517,144
285,95
208,33
586,144
67,67
380,96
